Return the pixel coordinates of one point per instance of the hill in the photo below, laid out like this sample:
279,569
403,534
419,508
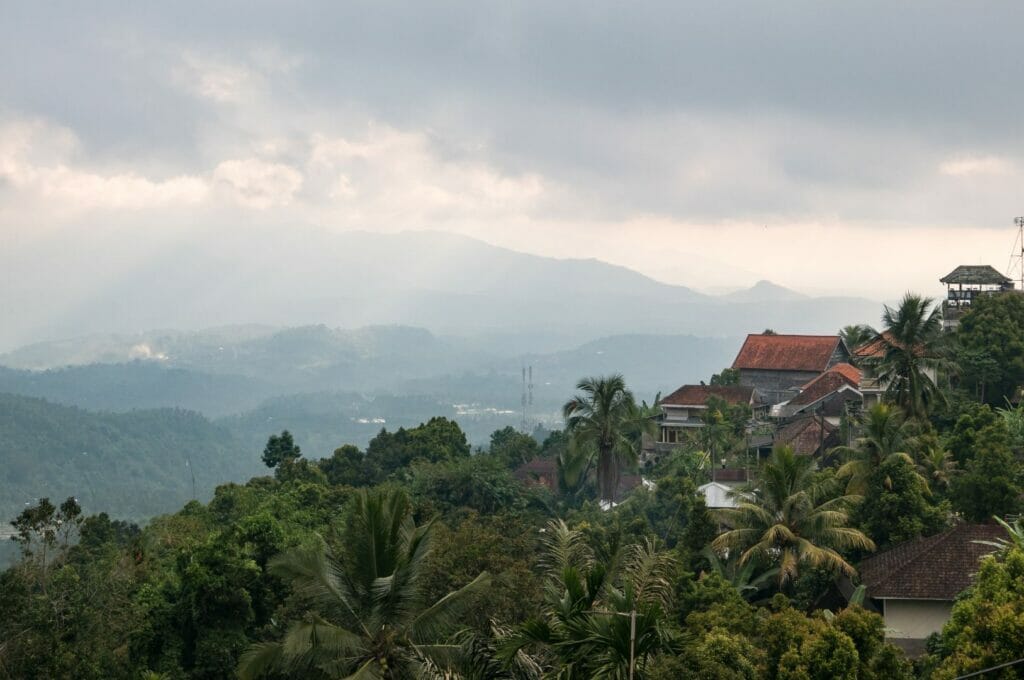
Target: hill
447,284
131,465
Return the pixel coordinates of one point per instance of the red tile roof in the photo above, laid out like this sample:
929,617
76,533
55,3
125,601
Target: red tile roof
933,568
729,475
698,395
829,382
786,352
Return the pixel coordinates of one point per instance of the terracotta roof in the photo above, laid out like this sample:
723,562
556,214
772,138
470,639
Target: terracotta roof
805,435
543,471
934,568
827,383
976,275
698,395
786,352
875,349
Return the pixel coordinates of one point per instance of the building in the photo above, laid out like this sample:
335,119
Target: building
682,410
831,395
913,585
967,283
777,366
809,435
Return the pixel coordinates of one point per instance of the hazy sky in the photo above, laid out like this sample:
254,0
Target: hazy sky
862,147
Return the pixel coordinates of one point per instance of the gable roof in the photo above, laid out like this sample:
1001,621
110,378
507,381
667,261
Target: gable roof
976,275
698,395
805,435
787,352
934,568
829,382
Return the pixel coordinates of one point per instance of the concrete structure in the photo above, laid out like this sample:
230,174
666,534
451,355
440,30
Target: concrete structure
777,366
717,495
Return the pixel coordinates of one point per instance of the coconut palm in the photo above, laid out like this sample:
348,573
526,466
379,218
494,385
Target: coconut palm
746,578
885,434
368,618
938,468
913,351
790,518
856,335
603,421
601,616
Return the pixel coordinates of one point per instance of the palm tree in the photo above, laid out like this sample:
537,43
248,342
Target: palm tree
368,618
886,434
913,350
938,468
856,335
603,420
746,578
791,518
602,618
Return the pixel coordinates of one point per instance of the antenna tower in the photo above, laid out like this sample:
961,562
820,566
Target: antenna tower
522,424
1017,254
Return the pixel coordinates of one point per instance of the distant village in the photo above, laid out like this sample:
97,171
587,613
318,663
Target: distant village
807,392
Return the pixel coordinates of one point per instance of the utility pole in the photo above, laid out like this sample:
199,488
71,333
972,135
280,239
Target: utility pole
632,642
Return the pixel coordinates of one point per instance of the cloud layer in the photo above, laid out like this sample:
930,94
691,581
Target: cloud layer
709,144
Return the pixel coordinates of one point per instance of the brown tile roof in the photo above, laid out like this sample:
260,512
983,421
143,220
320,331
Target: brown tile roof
875,349
543,471
729,475
698,395
805,435
786,352
827,383
933,568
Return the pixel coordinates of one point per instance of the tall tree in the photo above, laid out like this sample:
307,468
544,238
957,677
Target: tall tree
991,343
856,335
886,435
602,419
914,350
792,518
280,449
368,618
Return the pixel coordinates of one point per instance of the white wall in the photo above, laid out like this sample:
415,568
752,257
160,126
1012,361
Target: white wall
915,619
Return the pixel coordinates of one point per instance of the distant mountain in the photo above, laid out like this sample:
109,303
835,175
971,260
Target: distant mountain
764,291
132,465
450,285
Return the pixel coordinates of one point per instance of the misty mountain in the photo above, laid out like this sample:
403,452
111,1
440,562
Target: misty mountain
764,291
450,285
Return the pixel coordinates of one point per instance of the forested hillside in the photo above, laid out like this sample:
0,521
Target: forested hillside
132,465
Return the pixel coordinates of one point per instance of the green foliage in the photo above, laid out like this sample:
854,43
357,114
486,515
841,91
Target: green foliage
987,625
59,451
897,506
793,518
436,440
280,449
366,614
990,486
605,420
728,376
512,447
914,351
991,342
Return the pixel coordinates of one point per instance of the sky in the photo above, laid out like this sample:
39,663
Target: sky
859,148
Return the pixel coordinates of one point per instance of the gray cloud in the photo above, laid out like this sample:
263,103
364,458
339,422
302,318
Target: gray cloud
544,126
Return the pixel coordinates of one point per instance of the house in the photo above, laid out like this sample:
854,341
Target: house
809,436
777,366
913,584
682,409
544,472
830,395
967,283
717,495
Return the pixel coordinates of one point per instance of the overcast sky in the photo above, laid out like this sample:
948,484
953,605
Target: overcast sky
862,147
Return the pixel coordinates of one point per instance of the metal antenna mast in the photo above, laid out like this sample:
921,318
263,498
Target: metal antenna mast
522,424
1018,250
